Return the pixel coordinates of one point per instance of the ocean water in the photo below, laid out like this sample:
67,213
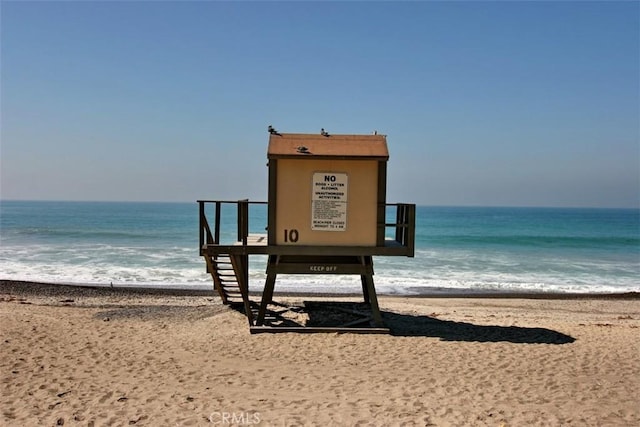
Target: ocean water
458,249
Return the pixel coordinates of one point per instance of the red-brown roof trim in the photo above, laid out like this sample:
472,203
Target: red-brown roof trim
294,145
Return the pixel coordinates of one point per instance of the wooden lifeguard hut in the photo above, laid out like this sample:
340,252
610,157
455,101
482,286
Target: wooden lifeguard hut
326,214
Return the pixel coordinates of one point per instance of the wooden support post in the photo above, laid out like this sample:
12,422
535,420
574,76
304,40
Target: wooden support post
363,279
365,289
267,296
373,301
267,293
366,261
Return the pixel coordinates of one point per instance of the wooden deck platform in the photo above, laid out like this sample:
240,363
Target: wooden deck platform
257,244
254,240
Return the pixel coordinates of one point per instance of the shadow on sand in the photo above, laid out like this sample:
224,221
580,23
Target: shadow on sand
424,326
338,314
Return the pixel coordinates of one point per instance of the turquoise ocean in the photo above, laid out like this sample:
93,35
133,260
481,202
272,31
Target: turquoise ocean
458,249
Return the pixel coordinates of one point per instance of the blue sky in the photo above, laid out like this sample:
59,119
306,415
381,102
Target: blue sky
484,103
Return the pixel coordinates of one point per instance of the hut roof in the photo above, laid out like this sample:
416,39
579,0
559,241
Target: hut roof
294,145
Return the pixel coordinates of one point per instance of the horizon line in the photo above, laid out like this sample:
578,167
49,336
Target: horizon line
195,201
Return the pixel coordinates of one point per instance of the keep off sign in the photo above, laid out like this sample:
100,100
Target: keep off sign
329,201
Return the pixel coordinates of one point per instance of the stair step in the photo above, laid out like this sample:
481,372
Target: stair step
226,279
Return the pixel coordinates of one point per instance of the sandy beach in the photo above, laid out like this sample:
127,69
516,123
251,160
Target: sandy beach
91,357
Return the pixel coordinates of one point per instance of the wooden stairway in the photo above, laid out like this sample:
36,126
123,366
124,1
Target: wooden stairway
225,278
230,281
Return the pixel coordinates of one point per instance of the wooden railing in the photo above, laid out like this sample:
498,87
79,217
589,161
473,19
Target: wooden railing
404,225
209,237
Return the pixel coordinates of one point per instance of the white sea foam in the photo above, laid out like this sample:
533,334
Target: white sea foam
385,284
427,273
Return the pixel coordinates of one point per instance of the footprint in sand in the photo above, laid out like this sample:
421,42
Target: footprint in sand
106,397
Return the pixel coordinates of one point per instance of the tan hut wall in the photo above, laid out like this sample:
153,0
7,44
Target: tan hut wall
294,202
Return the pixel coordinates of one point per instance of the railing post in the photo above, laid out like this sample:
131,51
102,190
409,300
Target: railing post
216,229
243,220
399,221
201,224
411,229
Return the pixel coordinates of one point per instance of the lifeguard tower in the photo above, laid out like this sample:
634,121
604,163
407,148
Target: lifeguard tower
326,214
